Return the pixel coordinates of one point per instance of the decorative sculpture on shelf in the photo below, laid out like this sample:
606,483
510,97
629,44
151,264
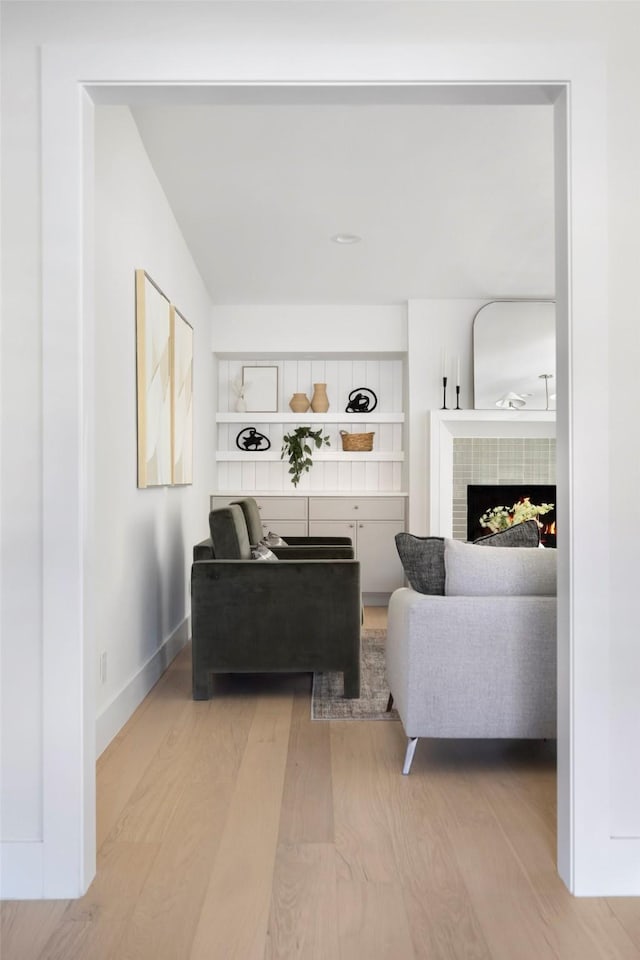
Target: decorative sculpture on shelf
250,439
361,400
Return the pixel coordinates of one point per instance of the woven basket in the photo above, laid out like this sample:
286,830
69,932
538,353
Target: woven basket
357,441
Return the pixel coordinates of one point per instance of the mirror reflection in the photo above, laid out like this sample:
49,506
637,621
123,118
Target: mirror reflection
514,355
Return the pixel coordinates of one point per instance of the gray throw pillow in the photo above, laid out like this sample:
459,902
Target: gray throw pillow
525,534
498,573
423,562
261,552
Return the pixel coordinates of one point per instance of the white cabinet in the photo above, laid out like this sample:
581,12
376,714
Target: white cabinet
372,523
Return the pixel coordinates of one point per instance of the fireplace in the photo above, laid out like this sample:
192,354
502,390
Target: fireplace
485,497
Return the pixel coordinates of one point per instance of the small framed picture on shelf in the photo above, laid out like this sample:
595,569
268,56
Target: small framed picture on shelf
260,389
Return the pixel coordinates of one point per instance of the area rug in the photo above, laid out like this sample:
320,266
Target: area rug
327,700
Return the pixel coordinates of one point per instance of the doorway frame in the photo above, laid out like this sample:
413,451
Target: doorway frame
588,862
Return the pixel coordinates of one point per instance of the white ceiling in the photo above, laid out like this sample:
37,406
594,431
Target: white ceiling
450,200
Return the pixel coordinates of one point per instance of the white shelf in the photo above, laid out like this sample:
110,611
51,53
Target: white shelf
309,418
273,455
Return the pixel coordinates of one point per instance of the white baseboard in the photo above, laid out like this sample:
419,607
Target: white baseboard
21,870
114,716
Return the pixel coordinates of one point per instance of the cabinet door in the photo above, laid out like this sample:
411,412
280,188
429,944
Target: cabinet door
380,567
375,547
334,528
284,528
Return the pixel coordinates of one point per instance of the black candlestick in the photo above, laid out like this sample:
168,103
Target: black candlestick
457,406
444,394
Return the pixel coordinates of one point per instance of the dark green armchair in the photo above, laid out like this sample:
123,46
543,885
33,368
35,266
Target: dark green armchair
296,614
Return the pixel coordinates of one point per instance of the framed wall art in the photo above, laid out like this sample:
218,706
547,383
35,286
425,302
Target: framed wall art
153,360
261,389
182,399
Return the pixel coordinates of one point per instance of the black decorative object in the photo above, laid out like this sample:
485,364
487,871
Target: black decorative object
250,439
444,394
457,406
359,402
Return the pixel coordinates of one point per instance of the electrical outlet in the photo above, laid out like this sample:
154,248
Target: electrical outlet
103,667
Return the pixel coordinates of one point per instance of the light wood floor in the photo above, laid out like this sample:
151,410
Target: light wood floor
238,829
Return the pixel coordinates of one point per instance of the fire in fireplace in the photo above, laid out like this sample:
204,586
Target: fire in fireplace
498,504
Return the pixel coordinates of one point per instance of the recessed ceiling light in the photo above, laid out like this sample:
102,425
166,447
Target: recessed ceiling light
346,238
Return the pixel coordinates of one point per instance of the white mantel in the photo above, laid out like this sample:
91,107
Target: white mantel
445,425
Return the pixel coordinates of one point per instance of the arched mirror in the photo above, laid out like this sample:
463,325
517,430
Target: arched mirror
514,355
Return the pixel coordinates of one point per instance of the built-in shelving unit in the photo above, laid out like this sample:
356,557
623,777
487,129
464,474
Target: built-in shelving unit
379,470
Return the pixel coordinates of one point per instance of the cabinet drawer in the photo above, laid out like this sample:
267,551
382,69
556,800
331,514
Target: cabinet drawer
282,508
285,528
356,508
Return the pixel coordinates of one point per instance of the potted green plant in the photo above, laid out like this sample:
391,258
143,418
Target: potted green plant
297,446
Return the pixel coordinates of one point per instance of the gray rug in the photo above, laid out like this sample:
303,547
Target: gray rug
327,701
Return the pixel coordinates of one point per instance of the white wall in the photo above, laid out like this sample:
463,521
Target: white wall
434,326
611,28
143,538
283,328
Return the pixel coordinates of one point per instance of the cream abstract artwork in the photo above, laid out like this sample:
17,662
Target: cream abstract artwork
153,330
182,379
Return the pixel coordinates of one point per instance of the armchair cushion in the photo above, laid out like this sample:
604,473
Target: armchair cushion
229,534
495,573
252,517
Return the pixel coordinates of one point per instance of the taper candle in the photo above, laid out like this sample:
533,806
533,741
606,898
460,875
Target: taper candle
444,363
457,371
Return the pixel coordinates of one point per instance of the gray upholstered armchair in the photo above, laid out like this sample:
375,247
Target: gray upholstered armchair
480,660
250,616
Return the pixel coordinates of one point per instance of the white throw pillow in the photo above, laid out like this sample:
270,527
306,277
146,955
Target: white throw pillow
496,572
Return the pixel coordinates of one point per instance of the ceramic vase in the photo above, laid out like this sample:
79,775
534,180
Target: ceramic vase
319,400
299,403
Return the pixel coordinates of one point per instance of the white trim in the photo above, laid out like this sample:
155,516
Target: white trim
589,861
116,713
362,418
21,870
443,427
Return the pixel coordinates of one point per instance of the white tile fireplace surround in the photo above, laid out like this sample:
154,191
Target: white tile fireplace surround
445,427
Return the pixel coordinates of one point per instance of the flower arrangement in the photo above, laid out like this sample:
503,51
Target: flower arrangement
500,518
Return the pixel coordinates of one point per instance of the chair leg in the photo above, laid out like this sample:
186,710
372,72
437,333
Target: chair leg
389,703
352,682
408,757
200,685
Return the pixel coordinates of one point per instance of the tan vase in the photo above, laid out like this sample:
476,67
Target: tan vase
319,400
299,403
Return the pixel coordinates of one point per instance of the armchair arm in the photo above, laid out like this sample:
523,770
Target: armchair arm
318,541
328,551
203,550
290,615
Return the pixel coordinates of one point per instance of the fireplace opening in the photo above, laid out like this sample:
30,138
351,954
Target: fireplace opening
500,504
